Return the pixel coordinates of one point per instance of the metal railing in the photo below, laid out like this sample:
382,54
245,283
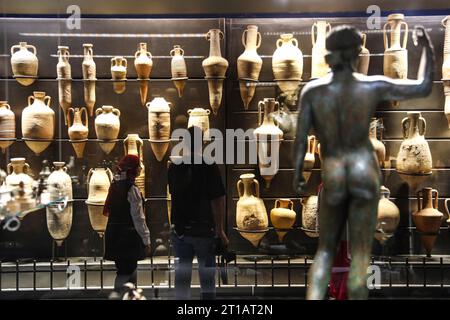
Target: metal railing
409,272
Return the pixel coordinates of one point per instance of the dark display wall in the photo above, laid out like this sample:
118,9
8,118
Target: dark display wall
406,240
33,239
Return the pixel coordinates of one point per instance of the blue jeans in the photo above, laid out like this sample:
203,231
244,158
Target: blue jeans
186,248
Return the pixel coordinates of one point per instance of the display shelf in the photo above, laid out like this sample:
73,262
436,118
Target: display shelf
260,272
108,80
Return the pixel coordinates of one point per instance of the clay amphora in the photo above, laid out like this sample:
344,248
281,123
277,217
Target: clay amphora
143,63
59,212
395,63
159,126
200,117
388,216
319,67
249,64
64,72
446,60
310,157
38,122
446,67
447,210
119,74
268,137
78,129
287,64
89,77
24,63
107,126
178,69
378,146
215,67
286,121
99,180
364,57
134,145
447,100
427,219
251,214
7,126
310,217
18,171
282,217
414,156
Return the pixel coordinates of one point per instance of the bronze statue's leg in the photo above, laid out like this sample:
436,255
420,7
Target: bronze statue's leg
331,223
362,221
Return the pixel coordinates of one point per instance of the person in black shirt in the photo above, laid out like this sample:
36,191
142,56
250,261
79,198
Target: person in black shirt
198,209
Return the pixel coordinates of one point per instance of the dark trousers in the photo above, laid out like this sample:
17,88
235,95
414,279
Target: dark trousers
126,272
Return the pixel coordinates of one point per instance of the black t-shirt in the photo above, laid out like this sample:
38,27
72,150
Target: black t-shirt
192,187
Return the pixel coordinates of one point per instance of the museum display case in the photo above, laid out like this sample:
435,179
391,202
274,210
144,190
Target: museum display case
82,98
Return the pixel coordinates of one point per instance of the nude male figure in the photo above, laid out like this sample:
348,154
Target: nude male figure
338,107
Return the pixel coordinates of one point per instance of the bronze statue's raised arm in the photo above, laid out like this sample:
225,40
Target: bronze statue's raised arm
304,123
392,89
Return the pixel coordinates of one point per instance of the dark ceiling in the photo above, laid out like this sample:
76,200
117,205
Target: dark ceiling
214,7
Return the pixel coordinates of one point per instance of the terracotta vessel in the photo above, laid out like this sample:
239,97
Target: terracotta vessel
310,217
282,217
78,129
178,69
7,126
319,153
99,180
143,63
119,74
364,57
310,157
388,216
268,137
59,218
447,101
427,219
287,64
199,117
215,67
38,122
447,210
286,121
107,126
64,72
89,77
249,64
378,146
24,63
21,202
446,67
134,145
319,67
159,126
18,171
395,63
251,215
446,60
414,156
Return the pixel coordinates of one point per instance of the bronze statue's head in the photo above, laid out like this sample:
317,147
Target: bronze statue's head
344,45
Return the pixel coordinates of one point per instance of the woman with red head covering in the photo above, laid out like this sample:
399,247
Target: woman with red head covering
127,237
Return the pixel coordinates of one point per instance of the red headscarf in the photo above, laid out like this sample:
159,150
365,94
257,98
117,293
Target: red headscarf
129,165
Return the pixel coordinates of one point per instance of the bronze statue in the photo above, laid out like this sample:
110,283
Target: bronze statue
338,107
